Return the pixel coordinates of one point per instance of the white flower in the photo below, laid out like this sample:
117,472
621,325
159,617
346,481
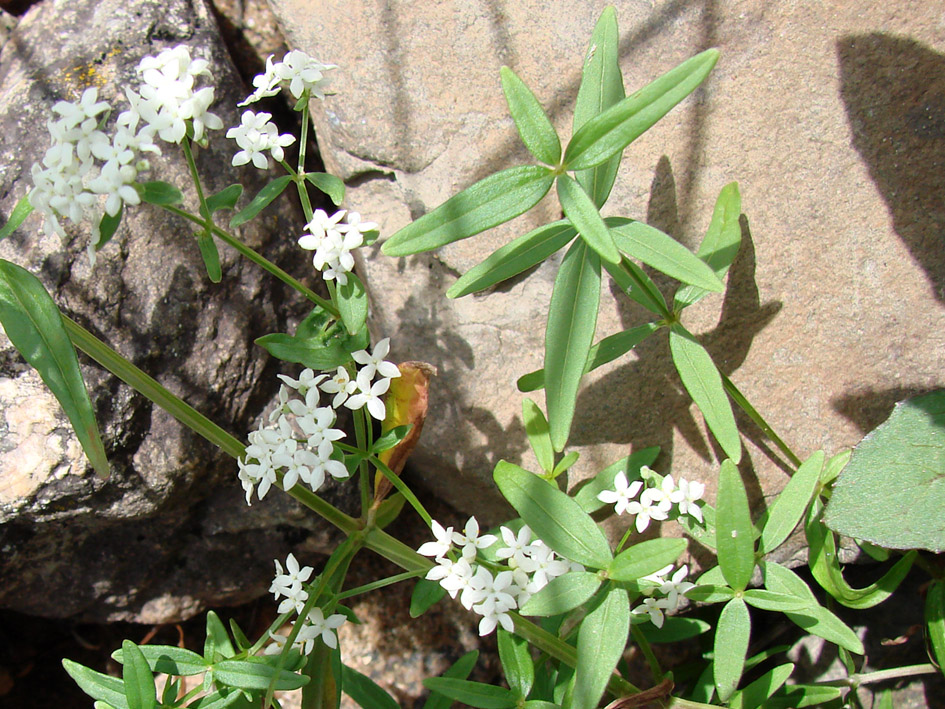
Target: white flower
517,547
325,627
354,223
255,135
320,227
444,542
341,385
369,395
267,84
289,584
374,363
317,426
663,496
654,608
306,381
689,493
454,576
495,602
471,541
622,494
676,587
303,73
645,511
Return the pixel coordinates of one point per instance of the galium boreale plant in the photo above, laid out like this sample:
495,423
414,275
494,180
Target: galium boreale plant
589,599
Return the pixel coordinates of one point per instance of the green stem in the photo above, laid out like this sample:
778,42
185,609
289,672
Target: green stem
746,406
207,221
656,299
859,680
256,258
368,587
647,651
402,488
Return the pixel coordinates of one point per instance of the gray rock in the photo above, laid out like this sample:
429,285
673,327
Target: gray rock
168,533
831,121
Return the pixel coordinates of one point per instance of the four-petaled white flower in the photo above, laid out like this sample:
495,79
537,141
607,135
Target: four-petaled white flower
255,136
373,362
690,491
470,541
622,494
369,395
654,607
443,544
325,627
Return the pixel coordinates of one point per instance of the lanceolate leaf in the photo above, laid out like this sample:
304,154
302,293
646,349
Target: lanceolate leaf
139,682
892,492
211,257
583,214
256,673
473,694
32,321
601,87
329,184
613,130
562,594
645,558
353,304
638,286
160,193
553,516
19,214
601,642
572,320
365,691
488,203
662,252
516,662
704,384
731,645
789,507
536,428
514,258
733,529
102,687
935,621
261,200
757,693
533,125
721,242
460,670
225,198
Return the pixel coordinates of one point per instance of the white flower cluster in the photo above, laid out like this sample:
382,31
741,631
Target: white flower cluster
70,182
531,565
333,240
255,135
299,443
672,589
289,583
298,70
655,502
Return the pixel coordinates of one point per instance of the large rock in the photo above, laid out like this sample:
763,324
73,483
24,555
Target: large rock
832,121
168,533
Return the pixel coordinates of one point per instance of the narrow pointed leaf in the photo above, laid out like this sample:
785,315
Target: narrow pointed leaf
586,496
33,323
795,696
515,257
353,304
601,642
609,133
261,200
731,645
710,593
217,643
791,504
425,595
704,384
256,673
460,670
139,682
771,601
553,516
758,692
582,213
225,198
733,528
601,87
569,333
530,118
474,694
160,193
169,660
720,245
102,687
835,466
935,621
539,437
107,227
516,661
211,257
562,594
662,252
638,286
329,184
365,691
19,214
645,558
488,203
675,629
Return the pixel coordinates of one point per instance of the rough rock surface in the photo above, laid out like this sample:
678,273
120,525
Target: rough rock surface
168,534
832,120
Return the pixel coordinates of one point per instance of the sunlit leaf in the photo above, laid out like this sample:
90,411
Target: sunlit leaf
733,528
530,118
731,645
601,642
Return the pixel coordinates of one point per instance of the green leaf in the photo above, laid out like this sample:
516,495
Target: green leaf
217,644
390,438
815,618
319,351
488,203
220,700
102,687
563,465
256,673
935,621
662,252
211,257
353,304
536,428
613,130
533,125
329,184
32,321
601,642
710,593
771,601
601,87
823,559
169,660
19,214
586,496
137,677
674,629
645,558
365,691
242,642
892,492
562,594
107,227
485,696
553,516
160,193
757,693
638,286
225,198
720,245
517,662
569,333
790,506
795,696
704,384
733,529
460,670
260,201
731,645
582,213
425,595
833,467
604,352
515,257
